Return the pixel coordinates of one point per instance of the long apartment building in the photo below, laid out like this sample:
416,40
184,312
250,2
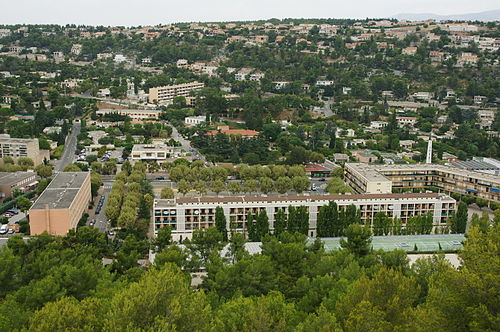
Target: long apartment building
185,215
61,205
166,94
135,115
383,179
22,147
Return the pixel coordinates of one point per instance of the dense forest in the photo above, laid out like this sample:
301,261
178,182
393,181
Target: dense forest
60,284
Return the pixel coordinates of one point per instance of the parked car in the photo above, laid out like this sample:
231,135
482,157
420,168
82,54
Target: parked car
10,231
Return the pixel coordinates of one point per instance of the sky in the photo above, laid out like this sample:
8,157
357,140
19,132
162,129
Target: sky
153,12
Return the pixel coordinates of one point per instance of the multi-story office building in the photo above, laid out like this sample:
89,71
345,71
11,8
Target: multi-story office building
166,94
61,205
135,115
16,180
364,178
185,215
158,152
22,147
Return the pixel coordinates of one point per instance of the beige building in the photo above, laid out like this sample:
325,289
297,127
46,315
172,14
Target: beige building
166,94
22,147
185,215
61,205
16,180
135,115
365,178
158,152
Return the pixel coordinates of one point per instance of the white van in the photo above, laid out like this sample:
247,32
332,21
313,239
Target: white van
4,229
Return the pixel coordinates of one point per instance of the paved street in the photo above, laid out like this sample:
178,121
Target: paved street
101,222
185,144
68,155
326,110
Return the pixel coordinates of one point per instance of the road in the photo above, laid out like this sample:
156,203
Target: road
185,144
326,110
68,155
101,222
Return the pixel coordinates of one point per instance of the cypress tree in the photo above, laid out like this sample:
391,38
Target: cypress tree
261,225
279,222
220,222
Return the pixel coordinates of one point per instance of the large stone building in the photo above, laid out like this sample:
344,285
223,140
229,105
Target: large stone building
22,147
166,94
61,205
185,215
364,178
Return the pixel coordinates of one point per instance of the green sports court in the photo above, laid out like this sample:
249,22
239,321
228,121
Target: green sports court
424,243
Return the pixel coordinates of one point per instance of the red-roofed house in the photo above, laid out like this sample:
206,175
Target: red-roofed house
317,171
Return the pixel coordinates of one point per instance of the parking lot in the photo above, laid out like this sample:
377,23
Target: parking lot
14,216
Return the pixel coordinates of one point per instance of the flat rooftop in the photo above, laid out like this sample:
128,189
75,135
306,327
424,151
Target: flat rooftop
7,178
370,171
8,140
150,147
61,191
169,203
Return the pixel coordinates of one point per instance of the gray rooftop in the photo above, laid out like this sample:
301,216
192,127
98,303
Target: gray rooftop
61,191
474,165
7,178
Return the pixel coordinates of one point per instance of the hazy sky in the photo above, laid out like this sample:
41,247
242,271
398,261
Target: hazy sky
151,12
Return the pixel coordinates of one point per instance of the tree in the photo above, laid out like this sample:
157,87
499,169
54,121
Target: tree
220,222
262,225
25,162
381,224
300,184
161,292
72,168
328,220
23,203
167,193
251,229
205,241
336,186
283,184
234,187
251,186
358,240
218,186
279,222
163,238
460,218
184,187
44,171
266,185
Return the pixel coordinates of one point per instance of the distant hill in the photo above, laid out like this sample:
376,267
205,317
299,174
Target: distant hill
490,15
